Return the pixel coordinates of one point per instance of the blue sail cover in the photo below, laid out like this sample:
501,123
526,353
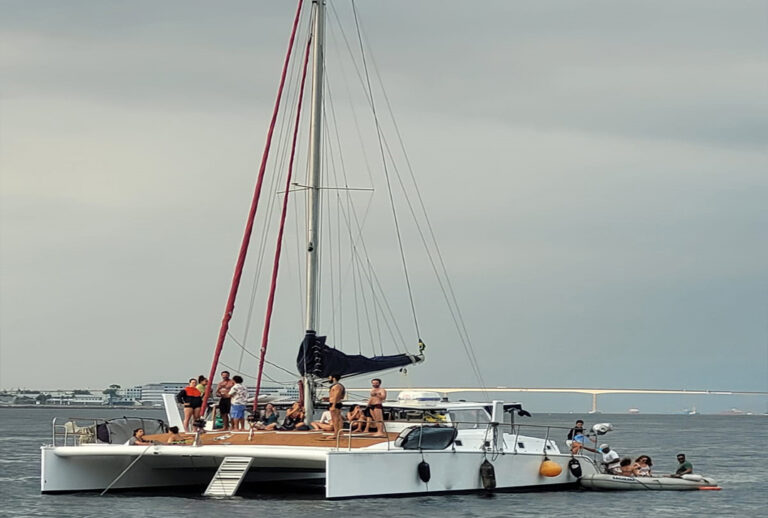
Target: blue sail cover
319,360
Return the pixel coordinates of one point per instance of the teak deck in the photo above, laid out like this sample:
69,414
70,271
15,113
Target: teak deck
274,438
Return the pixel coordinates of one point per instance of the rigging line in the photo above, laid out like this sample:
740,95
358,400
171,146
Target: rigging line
278,246
373,280
353,111
386,175
350,204
438,276
356,270
251,216
378,324
281,150
425,214
329,236
338,338
299,255
370,277
251,376
251,353
340,206
360,225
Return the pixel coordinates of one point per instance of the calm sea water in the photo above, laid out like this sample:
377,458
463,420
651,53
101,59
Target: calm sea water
729,448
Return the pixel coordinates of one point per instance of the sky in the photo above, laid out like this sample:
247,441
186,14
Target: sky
595,172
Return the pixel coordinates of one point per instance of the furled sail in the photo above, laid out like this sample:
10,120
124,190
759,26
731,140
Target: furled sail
318,359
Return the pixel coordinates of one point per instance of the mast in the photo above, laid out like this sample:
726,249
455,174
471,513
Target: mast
313,187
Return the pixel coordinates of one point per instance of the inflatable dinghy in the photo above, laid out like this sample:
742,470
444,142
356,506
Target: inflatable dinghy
619,482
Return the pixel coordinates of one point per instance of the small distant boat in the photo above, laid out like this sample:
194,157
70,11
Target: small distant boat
601,481
693,411
633,411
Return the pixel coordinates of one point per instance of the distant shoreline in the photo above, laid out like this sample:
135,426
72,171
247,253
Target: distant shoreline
160,409
82,407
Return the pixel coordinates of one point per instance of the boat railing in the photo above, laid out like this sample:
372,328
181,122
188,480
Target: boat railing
545,430
74,431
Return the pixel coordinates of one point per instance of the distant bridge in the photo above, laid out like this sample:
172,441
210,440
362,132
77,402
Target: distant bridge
593,391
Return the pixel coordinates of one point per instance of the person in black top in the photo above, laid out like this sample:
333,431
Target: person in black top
577,429
192,400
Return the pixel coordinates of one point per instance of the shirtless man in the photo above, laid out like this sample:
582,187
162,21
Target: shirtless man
375,400
225,400
335,396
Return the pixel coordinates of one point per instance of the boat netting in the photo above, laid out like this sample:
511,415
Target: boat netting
119,430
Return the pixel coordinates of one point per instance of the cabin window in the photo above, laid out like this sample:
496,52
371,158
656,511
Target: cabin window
417,415
469,419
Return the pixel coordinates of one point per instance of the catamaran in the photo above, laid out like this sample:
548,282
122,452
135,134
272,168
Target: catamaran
431,445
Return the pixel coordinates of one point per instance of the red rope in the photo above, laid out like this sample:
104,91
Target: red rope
279,247
251,215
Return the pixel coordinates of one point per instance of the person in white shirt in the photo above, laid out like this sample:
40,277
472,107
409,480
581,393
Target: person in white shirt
239,395
611,460
325,423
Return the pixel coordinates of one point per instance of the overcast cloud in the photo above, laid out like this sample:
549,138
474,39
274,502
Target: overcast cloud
596,172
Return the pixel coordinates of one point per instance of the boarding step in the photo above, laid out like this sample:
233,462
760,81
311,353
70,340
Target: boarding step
229,476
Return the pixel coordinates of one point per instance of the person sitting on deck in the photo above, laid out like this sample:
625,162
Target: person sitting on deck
268,418
324,423
356,419
174,436
294,420
137,439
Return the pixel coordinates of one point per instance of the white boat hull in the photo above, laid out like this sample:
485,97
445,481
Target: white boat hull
451,471
618,482
96,467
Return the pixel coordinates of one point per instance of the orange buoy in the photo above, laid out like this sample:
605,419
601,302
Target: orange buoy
550,469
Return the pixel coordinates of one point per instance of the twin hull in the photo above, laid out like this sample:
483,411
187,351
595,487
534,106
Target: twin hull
95,467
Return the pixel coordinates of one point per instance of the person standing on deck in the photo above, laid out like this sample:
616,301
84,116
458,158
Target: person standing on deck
377,397
239,397
192,400
225,402
336,395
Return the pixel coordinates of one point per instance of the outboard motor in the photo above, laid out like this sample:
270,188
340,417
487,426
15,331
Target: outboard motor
602,428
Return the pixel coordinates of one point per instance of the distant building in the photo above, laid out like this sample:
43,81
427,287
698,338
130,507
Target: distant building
152,393
133,393
88,399
284,393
